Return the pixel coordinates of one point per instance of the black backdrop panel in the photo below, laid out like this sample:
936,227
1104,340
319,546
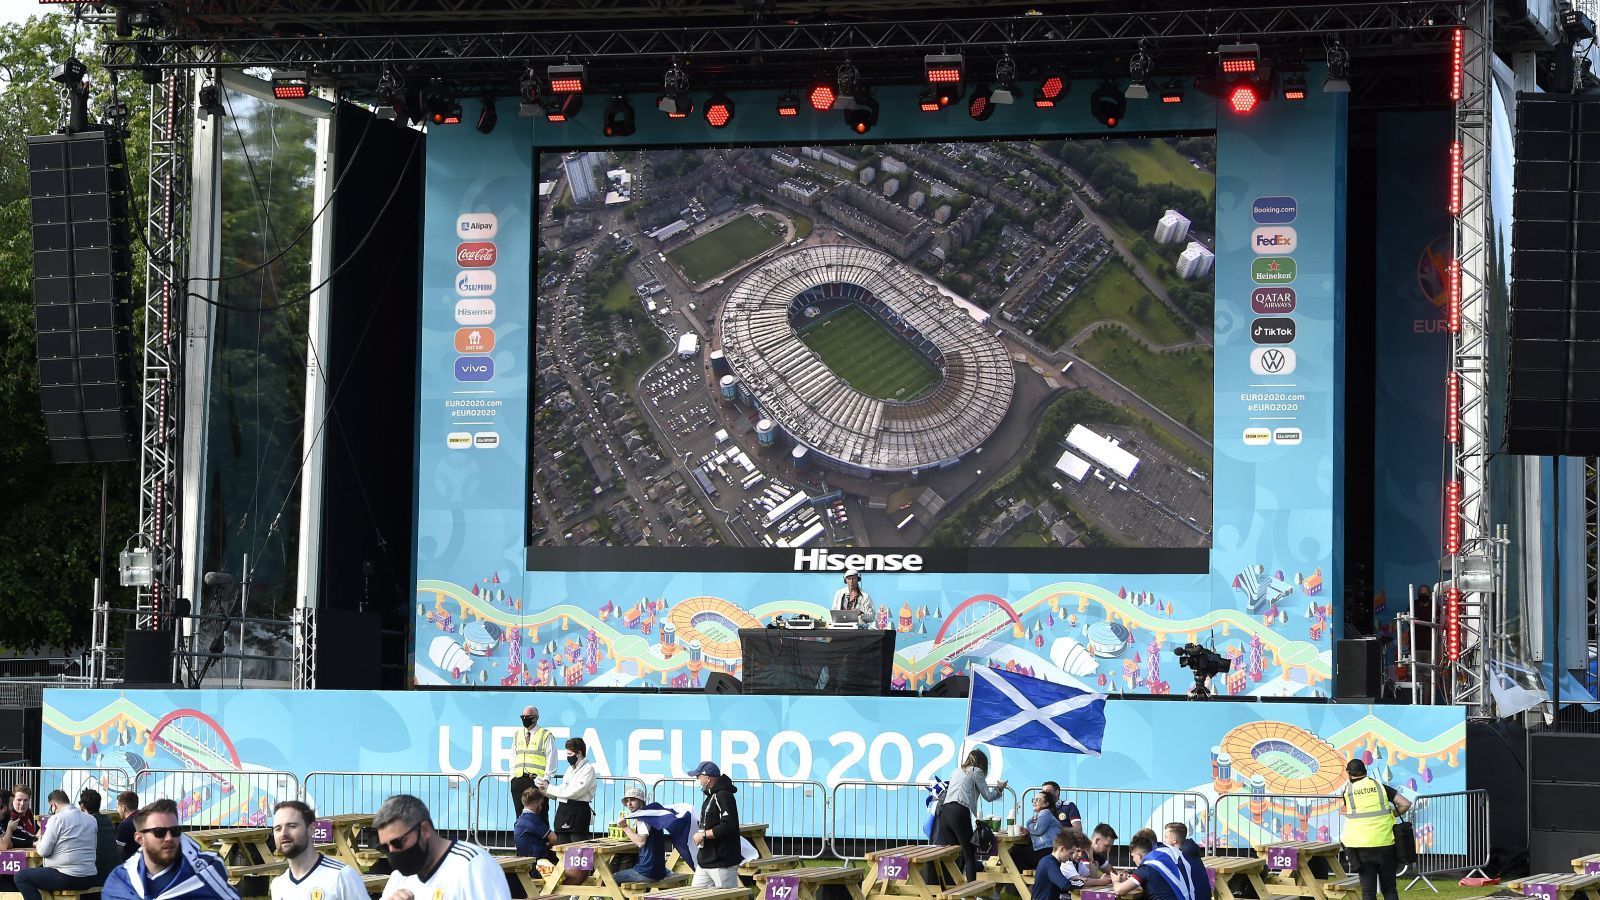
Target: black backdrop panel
823,661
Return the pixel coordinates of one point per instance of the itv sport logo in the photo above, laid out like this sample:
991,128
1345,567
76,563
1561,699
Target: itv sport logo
1265,241
1272,270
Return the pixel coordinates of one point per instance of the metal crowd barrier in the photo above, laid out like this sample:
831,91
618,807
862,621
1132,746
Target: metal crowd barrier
494,818
41,780
1441,847
1246,819
1127,811
447,796
871,815
795,812
214,798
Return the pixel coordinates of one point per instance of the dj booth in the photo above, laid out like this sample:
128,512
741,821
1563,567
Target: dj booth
817,661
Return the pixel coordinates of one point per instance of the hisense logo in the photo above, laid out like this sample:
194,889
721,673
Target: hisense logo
828,561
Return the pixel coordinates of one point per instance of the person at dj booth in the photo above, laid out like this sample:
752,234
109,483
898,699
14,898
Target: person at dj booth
853,597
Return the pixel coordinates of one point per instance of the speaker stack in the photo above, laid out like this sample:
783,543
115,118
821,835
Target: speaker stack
1554,395
81,294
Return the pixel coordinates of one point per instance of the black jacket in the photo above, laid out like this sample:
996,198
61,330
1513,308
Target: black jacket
720,815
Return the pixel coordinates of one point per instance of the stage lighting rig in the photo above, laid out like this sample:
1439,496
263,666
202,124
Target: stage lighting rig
1204,663
1244,80
391,97
1294,86
981,106
675,100
788,105
928,100
209,103
1139,74
618,118
850,85
487,117
1235,60
290,85
566,78
824,92
1050,90
1005,81
444,111
1172,91
1107,103
1575,24
944,73
863,116
719,110
559,108
1337,81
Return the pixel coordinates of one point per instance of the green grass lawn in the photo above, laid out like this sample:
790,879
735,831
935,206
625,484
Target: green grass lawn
864,353
1178,383
712,254
1113,293
619,297
1155,162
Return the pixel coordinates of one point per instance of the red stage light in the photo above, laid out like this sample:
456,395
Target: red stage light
1294,94
1452,518
1452,624
788,106
1452,276
823,96
719,110
1452,409
944,75
1171,97
1457,40
677,115
979,107
1242,97
1238,66
1051,88
290,91
1455,178
556,118
929,106
566,79
1042,102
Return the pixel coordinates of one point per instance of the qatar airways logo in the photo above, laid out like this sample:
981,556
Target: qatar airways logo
475,254
828,561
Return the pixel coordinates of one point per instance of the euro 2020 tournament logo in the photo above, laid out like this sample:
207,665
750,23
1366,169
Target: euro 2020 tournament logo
1433,269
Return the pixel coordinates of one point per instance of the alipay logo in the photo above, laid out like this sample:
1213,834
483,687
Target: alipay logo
474,284
1272,270
1272,360
476,226
1271,241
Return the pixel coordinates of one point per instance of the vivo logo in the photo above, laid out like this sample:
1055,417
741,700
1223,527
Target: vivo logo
476,226
474,312
475,368
475,254
1271,241
475,284
828,561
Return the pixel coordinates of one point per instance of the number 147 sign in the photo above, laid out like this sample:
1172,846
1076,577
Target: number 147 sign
783,887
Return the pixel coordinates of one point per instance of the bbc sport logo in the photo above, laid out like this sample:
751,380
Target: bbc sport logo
1256,437
1273,241
458,440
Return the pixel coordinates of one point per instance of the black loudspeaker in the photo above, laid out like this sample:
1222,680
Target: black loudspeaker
1553,405
348,650
954,686
1356,667
1564,799
19,733
147,656
723,683
81,288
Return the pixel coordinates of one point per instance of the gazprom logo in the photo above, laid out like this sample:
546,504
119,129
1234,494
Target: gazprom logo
475,284
1274,210
828,561
1273,241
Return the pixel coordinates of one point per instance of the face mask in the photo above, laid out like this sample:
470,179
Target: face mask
572,759
408,861
527,721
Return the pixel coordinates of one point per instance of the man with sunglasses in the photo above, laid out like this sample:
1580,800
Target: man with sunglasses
429,866
168,864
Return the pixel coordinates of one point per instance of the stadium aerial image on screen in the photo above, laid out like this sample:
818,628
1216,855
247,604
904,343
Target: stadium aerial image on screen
965,345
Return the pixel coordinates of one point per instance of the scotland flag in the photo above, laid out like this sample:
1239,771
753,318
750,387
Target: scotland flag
1010,710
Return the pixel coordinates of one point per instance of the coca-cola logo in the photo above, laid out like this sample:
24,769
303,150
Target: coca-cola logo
475,254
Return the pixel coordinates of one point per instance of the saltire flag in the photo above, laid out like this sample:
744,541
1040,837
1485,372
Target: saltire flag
1011,710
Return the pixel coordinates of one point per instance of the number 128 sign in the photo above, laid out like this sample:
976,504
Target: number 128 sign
1281,858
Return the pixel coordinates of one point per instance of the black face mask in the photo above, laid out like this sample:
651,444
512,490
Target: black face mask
410,860
572,759
527,721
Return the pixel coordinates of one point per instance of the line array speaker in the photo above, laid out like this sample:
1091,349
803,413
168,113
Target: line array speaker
81,293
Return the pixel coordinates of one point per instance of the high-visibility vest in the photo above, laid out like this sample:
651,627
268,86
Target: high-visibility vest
529,758
1369,816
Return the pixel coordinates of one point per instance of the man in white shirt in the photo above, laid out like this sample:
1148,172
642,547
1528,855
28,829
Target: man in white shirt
852,597
68,848
311,876
429,866
576,793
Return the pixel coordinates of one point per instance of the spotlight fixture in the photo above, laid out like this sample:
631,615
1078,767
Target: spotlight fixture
719,110
290,85
1239,59
947,92
618,118
1294,86
943,68
850,86
823,94
1575,24
981,106
1243,97
487,117
1107,104
1051,86
391,97
1005,81
928,100
675,100
864,115
1139,74
444,111
560,108
788,105
210,103
1337,81
1172,91
566,79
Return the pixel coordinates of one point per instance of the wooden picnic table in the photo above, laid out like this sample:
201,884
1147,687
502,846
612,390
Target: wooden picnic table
253,844
806,883
600,881
1558,886
754,832
899,871
1230,871
1586,865
344,843
1003,869
700,893
1298,861
32,860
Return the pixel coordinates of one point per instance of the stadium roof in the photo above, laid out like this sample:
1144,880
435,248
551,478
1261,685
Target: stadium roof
1101,450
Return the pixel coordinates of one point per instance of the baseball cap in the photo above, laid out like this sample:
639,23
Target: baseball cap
1355,768
852,573
706,768
636,793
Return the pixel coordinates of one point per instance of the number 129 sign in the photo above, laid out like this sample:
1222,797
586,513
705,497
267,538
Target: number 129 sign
782,887
894,868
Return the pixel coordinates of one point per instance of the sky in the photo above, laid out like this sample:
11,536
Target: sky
17,10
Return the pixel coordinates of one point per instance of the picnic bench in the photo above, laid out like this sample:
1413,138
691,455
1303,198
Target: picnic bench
1301,868
754,832
595,859
972,889
806,884
1002,868
672,880
700,893
1340,888
1558,886
902,871
1235,871
1587,865
14,861
237,874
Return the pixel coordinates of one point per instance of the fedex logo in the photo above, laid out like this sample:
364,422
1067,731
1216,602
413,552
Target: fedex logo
1273,241
477,226
475,284
475,254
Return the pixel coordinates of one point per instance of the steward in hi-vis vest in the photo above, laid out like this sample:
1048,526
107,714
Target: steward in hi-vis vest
1370,807
530,757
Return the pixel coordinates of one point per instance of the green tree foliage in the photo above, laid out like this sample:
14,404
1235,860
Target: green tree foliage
1123,196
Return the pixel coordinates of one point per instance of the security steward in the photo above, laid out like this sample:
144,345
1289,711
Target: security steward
1369,810
531,753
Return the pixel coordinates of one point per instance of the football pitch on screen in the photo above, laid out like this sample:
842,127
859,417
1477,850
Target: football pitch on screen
864,353
723,248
